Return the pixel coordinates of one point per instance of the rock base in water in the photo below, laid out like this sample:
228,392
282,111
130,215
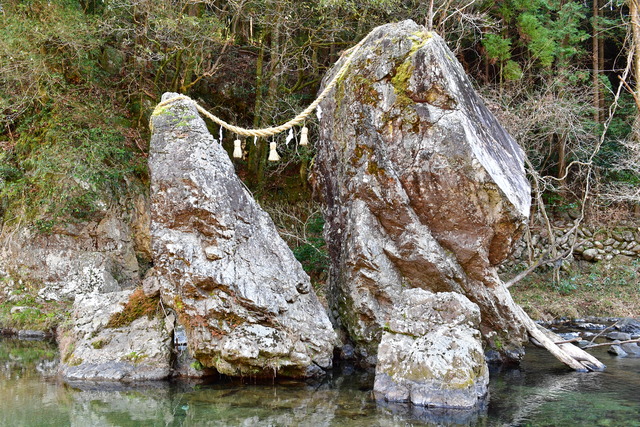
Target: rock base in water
108,343
431,353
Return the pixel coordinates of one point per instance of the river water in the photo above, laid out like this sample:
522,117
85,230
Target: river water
541,392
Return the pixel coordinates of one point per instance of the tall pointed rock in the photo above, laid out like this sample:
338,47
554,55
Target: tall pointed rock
246,304
423,188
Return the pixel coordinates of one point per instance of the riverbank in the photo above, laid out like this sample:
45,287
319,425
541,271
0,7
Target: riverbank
602,289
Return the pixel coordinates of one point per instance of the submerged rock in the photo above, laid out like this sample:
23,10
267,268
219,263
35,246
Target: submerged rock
431,354
422,188
117,336
245,302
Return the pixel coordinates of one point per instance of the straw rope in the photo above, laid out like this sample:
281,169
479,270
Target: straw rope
270,131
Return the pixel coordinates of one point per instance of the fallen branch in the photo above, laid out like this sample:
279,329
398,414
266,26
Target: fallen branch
568,341
567,353
612,343
602,332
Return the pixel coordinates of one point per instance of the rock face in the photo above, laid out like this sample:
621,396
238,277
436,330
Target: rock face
132,349
246,304
79,258
422,188
430,353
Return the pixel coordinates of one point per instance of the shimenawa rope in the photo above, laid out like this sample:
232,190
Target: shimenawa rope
270,131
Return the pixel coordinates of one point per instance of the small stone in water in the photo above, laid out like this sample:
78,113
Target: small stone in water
347,352
592,326
617,350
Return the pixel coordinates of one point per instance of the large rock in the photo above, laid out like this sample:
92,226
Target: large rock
630,326
247,306
116,336
431,354
422,188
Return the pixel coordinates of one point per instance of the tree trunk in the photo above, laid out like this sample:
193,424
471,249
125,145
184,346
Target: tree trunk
562,161
595,56
257,152
265,110
601,68
635,51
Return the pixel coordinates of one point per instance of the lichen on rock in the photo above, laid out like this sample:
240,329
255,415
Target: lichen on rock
430,353
95,348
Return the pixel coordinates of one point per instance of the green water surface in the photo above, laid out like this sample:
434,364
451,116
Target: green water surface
541,392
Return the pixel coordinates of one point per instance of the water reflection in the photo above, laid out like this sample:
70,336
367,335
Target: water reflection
540,392
435,416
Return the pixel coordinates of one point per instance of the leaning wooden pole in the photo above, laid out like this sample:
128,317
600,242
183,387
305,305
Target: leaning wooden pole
567,353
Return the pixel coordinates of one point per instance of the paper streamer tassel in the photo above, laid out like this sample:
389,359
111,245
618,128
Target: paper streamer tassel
273,154
304,140
289,137
237,149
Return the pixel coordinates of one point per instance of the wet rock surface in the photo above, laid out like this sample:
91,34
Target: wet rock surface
630,326
422,188
245,302
431,353
93,350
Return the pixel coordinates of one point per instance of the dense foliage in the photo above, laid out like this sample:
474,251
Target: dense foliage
79,79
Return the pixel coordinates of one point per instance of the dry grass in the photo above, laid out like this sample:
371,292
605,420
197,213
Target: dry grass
601,289
138,305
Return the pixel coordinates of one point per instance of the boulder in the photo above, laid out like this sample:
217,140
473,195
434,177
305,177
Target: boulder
422,188
621,336
117,336
629,325
632,349
247,306
617,350
431,352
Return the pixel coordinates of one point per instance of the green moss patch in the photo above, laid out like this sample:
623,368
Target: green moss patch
98,344
29,312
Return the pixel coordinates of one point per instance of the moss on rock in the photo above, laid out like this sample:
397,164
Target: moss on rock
138,305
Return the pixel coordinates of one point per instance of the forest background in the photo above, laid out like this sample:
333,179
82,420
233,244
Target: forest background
80,78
